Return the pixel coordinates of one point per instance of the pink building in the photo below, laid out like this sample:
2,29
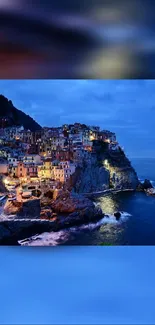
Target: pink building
26,170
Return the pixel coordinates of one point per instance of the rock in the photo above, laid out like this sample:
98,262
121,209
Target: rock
150,191
117,215
46,214
147,184
13,230
140,187
49,194
30,209
144,186
27,209
91,178
45,202
67,203
12,207
86,215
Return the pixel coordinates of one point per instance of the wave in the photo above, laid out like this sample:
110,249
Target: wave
151,181
46,239
61,237
4,217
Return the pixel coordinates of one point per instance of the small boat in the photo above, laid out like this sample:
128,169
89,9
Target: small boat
26,195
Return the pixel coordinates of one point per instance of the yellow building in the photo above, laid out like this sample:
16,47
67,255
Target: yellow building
45,170
59,173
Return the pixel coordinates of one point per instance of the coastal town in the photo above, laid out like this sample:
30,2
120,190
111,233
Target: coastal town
31,160
50,176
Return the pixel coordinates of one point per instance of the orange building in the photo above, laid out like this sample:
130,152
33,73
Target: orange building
26,170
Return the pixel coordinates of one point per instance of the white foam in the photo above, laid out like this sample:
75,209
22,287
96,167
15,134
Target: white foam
4,217
106,220
55,238
46,239
143,180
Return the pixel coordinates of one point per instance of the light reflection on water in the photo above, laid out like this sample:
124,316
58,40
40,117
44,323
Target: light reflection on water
110,232
107,231
108,204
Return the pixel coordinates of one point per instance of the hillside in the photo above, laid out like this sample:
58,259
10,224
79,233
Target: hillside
106,170
14,116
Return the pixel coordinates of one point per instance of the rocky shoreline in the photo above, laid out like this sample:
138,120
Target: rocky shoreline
45,215
54,211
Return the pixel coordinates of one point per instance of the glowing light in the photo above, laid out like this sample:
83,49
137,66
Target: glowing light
106,162
6,181
107,140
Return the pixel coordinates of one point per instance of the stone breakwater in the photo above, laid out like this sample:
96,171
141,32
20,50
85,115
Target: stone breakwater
53,212
12,230
35,216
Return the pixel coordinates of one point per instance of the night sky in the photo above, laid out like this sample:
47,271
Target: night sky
126,107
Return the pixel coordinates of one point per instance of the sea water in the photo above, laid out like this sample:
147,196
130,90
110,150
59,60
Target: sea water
136,226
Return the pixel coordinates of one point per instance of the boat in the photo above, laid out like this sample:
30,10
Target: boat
26,195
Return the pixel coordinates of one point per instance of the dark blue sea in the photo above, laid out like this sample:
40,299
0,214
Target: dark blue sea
136,226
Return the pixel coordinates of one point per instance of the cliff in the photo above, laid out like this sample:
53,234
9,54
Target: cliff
90,178
14,116
105,170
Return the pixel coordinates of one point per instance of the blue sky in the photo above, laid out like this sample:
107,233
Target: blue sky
77,285
126,107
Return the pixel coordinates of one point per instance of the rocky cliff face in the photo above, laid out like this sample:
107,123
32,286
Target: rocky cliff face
91,178
122,174
15,116
28,209
106,170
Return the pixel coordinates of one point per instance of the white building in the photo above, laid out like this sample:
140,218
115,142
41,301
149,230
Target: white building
12,161
35,159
